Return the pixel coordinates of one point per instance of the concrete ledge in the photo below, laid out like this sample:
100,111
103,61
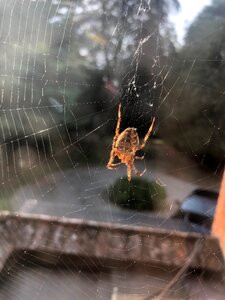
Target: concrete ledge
114,242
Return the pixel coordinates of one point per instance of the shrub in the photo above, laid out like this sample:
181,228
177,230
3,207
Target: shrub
139,194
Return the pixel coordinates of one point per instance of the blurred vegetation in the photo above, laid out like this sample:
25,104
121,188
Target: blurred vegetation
65,67
4,204
193,113
138,194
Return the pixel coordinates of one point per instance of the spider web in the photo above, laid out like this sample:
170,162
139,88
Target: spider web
65,67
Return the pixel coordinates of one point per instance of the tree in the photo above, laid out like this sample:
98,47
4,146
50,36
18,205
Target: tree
129,45
194,109
62,55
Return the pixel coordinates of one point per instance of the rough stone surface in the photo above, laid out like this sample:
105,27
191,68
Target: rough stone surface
93,239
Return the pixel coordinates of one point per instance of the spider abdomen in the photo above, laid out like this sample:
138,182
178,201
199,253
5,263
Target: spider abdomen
128,140
125,145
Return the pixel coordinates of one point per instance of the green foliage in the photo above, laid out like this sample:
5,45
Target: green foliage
139,194
3,202
194,109
54,50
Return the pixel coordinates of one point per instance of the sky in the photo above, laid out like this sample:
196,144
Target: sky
187,13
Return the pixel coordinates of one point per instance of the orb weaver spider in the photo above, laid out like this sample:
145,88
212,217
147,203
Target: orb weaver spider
125,145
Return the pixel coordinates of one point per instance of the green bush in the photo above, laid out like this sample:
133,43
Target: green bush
139,194
3,203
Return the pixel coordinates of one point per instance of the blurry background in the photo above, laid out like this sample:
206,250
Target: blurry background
64,68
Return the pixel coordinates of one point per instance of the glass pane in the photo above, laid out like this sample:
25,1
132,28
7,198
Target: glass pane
112,112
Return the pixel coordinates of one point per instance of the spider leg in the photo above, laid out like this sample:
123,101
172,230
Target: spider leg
110,164
137,173
117,126
111,168
147,135
129,172
139,157
117,164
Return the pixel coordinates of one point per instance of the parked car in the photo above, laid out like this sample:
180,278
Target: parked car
198,208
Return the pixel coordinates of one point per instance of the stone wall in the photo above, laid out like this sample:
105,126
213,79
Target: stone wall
114,242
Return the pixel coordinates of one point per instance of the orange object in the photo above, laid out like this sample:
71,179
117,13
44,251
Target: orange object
218,225
125,145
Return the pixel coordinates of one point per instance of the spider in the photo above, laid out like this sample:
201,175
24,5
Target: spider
125,145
